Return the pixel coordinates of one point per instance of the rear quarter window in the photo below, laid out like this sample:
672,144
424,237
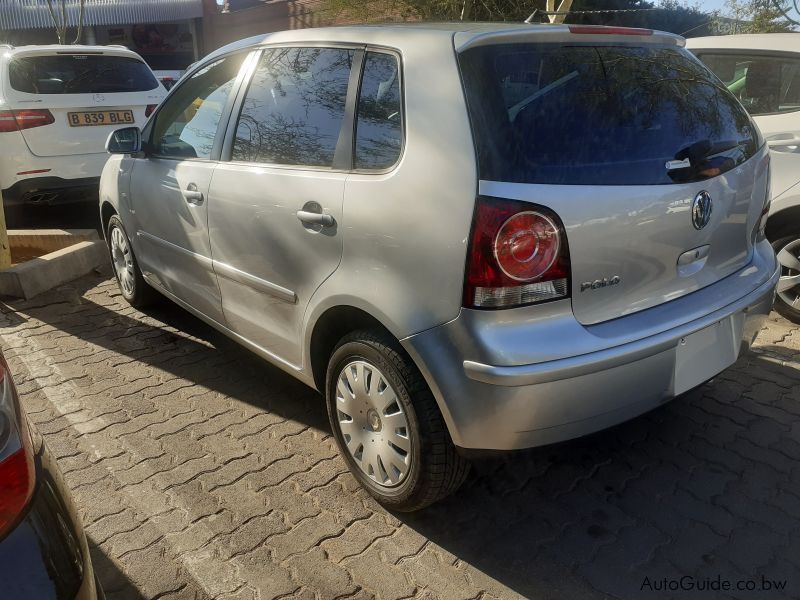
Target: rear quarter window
601,115
80,74
764,84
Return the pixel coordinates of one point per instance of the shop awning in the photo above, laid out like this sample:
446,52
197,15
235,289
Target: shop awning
33,14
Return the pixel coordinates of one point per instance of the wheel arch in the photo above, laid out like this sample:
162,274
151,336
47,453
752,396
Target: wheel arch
332,324
783,222
107,211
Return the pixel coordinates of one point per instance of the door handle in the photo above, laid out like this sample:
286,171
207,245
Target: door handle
782,142
192,195
313,218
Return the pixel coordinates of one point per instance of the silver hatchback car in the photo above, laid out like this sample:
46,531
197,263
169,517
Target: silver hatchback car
466,236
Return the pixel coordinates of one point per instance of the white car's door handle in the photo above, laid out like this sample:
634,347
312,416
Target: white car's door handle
782,142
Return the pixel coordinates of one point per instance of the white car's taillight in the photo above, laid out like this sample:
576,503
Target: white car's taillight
17,472
517,255
16,120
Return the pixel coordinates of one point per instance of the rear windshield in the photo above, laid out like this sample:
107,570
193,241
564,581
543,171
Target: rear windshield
602,115
80,74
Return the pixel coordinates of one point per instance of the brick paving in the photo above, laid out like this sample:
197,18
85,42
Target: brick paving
202,472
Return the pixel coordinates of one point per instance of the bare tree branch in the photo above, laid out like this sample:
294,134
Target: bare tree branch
60,22
80,22
59,31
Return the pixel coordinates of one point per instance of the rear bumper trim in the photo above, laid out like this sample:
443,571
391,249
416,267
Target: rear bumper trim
51,190
593,362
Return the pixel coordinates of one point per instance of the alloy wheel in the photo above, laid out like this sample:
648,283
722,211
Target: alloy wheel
373,425
789,283
123,261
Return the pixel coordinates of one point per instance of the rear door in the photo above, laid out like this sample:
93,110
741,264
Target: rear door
276,208
170,185
89,93
656,171
768,86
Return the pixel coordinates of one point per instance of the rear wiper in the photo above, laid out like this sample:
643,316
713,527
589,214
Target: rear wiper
695,154
698,160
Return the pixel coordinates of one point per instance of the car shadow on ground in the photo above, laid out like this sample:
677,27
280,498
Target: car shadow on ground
115,584
183,346
78,215
707,486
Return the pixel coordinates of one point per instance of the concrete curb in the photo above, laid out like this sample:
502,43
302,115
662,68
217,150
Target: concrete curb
38,275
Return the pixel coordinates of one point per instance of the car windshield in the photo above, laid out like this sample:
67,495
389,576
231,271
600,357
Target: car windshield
601,115
80,74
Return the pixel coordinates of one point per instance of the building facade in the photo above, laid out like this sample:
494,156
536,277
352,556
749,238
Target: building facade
166,33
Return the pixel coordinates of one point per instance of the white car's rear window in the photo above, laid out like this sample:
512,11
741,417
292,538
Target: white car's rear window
80,74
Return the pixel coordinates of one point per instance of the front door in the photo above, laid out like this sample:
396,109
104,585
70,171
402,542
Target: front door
170,187
275,210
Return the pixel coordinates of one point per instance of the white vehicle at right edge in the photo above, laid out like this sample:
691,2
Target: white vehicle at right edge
763,72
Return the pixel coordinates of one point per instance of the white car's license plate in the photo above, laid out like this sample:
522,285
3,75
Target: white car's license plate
703,354
90,118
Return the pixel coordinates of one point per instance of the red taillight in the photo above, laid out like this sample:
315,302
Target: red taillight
602,29
149,109
16,482
517,255
15,120
17,473
7,121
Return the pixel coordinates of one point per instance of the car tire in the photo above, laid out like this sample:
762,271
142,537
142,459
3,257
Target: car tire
129,277
787,302
407,459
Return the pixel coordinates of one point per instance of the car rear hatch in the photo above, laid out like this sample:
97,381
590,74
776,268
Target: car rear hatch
88,94
657,173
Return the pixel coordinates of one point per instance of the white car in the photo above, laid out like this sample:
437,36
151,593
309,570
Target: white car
58,105
763,72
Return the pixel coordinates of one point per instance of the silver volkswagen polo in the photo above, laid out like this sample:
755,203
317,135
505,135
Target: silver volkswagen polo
465,236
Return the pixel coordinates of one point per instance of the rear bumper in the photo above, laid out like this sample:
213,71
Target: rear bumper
46,555
48,191
533,376
18,171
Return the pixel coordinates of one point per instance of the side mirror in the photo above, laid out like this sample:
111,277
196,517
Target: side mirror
124,141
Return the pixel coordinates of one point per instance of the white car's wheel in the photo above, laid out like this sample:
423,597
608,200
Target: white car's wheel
787,301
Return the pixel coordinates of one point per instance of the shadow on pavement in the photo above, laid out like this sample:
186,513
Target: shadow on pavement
184,346
114,582
707,486
79,215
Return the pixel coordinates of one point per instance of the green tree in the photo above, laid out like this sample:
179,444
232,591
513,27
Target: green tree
760,16
429,10
667,15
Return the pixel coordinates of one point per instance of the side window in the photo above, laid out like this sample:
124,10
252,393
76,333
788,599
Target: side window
379,126
186,125
763,84
294,108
